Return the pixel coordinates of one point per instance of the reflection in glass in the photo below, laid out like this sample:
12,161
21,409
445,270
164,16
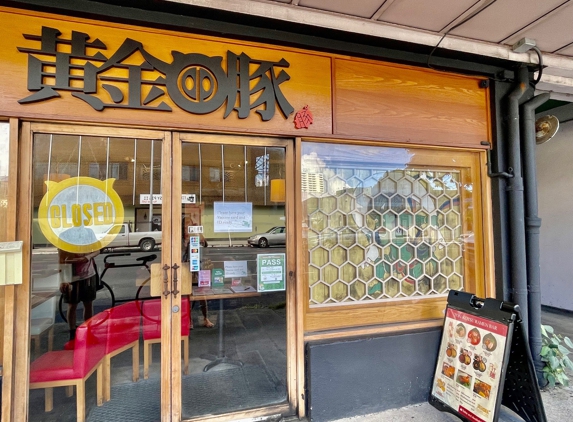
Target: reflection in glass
369,207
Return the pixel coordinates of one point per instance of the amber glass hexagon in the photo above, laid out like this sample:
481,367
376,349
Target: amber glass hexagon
357,290
318,221
319,257
356,255
348,272
345,203
392,287
319,293
339,291
327,204
339,255
329,274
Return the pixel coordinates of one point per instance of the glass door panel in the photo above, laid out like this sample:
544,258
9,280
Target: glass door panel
233,239
97,230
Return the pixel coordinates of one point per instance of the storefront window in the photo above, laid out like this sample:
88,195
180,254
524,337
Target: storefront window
384,224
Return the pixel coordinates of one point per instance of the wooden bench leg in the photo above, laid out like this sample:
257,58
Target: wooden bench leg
186,355
69,390
81,401
106,378
100,378
146,356
51,339
49,399
135,358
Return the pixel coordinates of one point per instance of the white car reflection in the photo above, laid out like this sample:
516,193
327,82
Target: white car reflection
273,237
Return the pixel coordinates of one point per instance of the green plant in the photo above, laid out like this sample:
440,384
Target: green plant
554,355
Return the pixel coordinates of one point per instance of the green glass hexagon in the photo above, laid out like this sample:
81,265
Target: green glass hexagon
313,275
339,291
357,290
348,272
327,204
345,203
366,272
375,289
422,219
390,220
423,252
319,293
383,270
329,274
318,221
319,257
329,238
440,284
455,282
392,287
399,236
406,220
407,253
356,255
416,269
339,255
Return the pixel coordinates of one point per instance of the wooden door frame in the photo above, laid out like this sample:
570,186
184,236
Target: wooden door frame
20,361
295,345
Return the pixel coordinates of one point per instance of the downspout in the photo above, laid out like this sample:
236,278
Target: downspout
533,223
515,199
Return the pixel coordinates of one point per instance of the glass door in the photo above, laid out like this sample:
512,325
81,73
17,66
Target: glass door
100,322
234,305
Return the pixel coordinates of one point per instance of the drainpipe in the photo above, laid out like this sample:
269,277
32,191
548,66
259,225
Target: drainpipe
533,223
515,199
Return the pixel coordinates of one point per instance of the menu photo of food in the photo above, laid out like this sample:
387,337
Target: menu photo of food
464,379
479,363
482,389
448,370
489,342
465,356
460,330
474,336
451,351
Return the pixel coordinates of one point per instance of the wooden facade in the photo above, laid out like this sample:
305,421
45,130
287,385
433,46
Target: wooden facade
353,101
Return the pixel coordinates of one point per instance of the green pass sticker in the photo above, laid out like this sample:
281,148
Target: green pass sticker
271,272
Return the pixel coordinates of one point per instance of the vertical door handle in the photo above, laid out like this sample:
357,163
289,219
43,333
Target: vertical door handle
175,291
166,280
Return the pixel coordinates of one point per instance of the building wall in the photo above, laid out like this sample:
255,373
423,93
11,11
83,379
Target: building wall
555,207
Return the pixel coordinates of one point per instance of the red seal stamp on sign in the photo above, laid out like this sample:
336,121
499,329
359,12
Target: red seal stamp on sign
303,118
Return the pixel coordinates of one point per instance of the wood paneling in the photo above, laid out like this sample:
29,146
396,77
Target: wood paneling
309,82
404,104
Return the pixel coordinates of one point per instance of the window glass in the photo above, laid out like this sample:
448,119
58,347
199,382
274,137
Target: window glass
385,224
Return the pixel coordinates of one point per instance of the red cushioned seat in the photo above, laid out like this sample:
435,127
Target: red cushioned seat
151,315
70,368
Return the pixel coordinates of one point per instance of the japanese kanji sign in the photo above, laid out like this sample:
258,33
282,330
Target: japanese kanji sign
194,82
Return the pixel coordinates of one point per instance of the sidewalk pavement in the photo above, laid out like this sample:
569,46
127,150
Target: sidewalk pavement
558,408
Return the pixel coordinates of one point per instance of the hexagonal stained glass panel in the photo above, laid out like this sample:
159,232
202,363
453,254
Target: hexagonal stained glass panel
384,232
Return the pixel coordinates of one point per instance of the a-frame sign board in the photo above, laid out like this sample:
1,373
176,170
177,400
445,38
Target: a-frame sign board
484,361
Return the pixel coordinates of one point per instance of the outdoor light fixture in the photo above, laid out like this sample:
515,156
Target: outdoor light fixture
545,128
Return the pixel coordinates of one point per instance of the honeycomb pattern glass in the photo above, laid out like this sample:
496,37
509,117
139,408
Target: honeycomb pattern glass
382,230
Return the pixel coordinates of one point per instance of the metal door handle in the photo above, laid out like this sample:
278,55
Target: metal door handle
175,291
166,280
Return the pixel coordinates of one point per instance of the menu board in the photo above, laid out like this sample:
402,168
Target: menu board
470,364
